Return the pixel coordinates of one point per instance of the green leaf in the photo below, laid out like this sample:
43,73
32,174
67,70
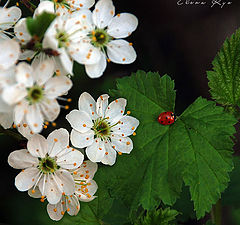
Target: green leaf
224,80
158,217
39,25
196,149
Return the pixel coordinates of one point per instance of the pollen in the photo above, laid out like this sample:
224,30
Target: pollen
68,209
66,107
128,143
55,210
106,153
62,212
134,134
108,60
42,200
124,59
58,73
133,128
119,153
74,164
84,125
55,139
130,44
35,125
33,191
87,176
75,172
128,112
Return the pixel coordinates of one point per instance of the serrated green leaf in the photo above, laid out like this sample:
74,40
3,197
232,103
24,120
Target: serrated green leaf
224,80
39,25
157,217
196,149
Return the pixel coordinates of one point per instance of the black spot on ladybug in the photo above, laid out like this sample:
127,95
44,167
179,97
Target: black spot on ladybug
166,117
169,122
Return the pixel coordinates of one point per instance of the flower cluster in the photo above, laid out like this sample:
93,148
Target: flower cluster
36,65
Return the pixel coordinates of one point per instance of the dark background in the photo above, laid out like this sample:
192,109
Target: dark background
180,41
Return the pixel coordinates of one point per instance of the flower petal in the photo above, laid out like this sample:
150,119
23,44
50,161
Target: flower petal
89,195
34,118
82,140
19,111
34,194
122,25
21,32
63,63
44,71
13,94
57,86
37,146
58,140
10,51
72,205
6,120
122,144
96,70
96,151
121,52
115,110
50,109
103,13
55,211
79,120
110,155
87,104
84,53
8,17
66,181
71,159
101,106
126,127
86,171
24,74
44,6
26,179
84,4
22,159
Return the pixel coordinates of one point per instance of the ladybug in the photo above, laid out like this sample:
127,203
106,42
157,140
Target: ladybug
166,118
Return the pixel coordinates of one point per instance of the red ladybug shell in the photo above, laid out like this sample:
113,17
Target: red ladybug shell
166,118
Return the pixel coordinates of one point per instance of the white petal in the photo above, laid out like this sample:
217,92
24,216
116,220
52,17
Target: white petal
3,36
83,4
122,25
55,211
110,155
22,159
45,6
35,194
50,109
71,159
96,70
120,51
24,74
96,151
57,141
86,171
9,54
53,189
84,53
115,110
73,205
44,72
82,140
21,32
126,127
27,54
19,111
63,62
8,17
25,130
66,180
101,106
89,195
6,120
26,179
50,40
79,120
37,146
57,86
34,118
87,104
122,144
103,13
13,94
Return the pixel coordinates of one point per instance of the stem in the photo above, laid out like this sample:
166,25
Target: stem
11,133
216,213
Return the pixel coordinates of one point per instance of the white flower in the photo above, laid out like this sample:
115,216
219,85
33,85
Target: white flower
65,34
102,128
45,164
105,33
35,94
63,64
8,17
85,188
9,54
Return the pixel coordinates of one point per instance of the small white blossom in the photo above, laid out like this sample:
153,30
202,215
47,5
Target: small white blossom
102,128
34,94
8,17
85,188
45,164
